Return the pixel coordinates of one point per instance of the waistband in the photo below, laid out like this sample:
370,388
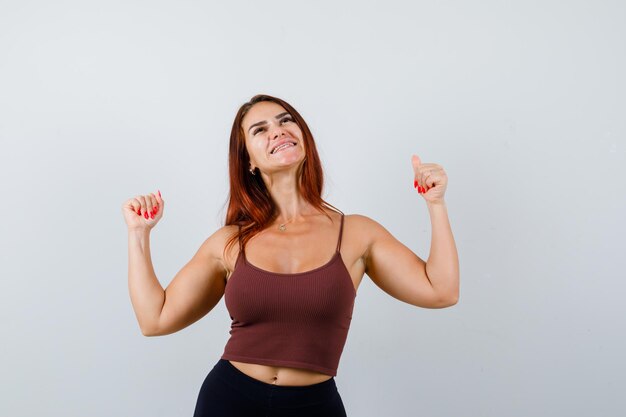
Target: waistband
279,394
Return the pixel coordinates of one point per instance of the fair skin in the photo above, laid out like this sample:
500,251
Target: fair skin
277,170
366,246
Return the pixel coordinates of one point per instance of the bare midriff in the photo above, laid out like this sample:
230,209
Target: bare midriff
279,375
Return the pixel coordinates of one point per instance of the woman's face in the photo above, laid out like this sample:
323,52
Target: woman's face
266,125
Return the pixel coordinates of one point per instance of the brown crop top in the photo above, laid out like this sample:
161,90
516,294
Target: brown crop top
298,320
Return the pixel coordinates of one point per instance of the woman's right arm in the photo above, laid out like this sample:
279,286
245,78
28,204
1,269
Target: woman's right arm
193,292
146,293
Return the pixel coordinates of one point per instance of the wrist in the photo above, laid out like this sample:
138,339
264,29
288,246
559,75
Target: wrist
139,232
440,203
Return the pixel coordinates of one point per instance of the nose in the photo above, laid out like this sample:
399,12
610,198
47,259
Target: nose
277,132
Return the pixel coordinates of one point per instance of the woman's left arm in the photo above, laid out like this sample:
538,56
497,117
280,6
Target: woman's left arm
397,270
442,265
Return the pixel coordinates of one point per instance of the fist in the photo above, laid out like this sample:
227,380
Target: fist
143,211
429,179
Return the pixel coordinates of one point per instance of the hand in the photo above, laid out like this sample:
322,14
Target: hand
143,212
430,180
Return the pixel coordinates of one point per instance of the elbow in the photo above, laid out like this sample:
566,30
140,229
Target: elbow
146,333
452,299
149,331
448,300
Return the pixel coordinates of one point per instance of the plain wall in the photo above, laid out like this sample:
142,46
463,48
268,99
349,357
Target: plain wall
521,102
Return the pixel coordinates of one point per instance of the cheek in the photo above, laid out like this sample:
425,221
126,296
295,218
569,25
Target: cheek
259,148
252,148
296,131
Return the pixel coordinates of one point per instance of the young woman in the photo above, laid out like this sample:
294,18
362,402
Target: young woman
288,265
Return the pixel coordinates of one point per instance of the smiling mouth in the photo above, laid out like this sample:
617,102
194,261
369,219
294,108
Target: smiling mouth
283,147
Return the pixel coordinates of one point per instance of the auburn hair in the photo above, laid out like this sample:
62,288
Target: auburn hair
250,204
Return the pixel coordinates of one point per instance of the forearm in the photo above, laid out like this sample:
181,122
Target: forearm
442,266
146,294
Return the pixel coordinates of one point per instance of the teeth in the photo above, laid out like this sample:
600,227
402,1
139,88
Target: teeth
283,146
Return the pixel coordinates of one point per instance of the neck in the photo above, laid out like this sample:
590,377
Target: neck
282,185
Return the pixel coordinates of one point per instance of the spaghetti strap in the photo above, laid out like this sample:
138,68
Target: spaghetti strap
240,239
340,233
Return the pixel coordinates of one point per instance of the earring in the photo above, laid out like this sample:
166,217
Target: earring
252,171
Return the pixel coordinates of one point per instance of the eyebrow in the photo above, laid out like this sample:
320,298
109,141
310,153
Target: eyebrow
264,122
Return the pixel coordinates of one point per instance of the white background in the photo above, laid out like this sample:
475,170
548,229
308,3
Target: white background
521,102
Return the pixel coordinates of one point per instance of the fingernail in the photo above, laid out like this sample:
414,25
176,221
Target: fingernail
145,214
152,215
415,184
159,193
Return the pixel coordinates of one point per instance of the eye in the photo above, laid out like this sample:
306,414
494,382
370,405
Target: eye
260,129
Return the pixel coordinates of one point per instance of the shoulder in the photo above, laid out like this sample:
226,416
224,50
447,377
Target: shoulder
214,245
219,238
362,222
362,232
367,229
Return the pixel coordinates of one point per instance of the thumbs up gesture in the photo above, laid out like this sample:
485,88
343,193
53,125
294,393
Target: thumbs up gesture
430,180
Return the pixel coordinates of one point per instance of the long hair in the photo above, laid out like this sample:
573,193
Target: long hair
250,204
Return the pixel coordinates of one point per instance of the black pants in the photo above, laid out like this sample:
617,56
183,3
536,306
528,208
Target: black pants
228,392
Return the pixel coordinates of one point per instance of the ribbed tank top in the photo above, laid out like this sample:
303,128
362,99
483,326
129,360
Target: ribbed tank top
298,320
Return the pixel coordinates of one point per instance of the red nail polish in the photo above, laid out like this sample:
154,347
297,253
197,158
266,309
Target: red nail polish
415,184
159,193
145,214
